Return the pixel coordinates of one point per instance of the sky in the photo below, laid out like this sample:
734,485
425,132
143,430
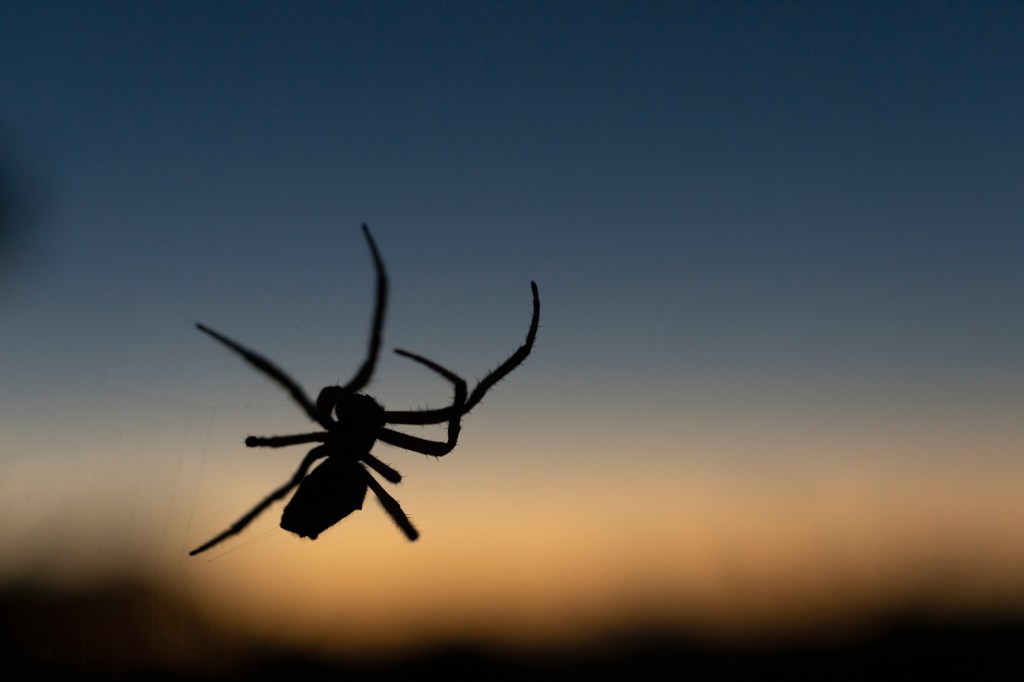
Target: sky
778,381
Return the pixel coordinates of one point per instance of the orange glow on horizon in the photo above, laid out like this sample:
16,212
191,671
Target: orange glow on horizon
707,556
538,551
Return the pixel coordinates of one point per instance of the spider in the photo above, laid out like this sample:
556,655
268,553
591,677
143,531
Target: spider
352,423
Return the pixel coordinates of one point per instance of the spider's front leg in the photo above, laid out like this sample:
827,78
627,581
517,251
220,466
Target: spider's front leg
455,412
362,376
271,370
436,416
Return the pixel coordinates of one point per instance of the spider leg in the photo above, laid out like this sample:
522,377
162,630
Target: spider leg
313,455
284,441
271,370
422,445
392,507
381,468
436,416
513,361
362,377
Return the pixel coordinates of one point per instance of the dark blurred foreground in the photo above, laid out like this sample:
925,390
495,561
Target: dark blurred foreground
134,632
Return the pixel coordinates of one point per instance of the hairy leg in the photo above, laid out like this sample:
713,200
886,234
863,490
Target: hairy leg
362,377
436,416
284,441
239,525
422,445
392,507
271,370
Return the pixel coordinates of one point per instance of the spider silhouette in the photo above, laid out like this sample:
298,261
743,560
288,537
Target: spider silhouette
352,423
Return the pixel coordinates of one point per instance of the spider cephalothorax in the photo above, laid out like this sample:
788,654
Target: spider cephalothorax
352,423
354,419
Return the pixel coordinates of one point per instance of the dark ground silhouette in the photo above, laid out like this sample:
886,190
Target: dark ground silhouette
130,631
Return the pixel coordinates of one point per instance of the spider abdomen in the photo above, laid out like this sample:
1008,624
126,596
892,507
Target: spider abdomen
328,494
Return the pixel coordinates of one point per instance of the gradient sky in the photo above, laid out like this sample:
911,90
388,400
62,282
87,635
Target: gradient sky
779,377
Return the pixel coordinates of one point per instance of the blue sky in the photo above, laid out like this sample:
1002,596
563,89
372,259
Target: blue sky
778,247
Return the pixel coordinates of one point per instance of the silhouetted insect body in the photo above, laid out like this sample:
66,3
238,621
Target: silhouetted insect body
352,423
328,494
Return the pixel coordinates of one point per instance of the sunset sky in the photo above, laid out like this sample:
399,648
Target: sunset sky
779,378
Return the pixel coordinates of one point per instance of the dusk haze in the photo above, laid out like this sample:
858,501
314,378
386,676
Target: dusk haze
754,270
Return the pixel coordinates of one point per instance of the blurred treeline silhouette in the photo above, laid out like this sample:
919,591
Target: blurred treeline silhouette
129,630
